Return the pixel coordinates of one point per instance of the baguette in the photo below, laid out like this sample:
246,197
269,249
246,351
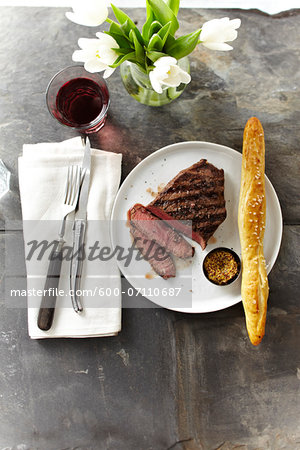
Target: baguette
251,223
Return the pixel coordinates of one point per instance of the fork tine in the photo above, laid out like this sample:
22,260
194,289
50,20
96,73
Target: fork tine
70,182
74,185
78,184
75,181
67,186
71,186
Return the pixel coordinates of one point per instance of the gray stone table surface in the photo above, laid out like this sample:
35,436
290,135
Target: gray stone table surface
169,380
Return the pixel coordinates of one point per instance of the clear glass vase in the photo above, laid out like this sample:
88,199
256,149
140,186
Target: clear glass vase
137,84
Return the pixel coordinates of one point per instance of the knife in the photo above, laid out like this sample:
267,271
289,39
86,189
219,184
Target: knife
79,229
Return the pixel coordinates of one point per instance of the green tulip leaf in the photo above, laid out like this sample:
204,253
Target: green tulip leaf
183,46
139,50
155,27
115,28
163,33
147,24
125,28
122,51
155,43
129,57
170,41
174,5
154,55
121,39
124,19
121,16
164,14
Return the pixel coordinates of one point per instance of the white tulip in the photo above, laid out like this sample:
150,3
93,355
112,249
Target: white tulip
90,13
167,73
97,54
216,32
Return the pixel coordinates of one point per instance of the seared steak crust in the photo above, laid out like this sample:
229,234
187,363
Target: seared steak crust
195,194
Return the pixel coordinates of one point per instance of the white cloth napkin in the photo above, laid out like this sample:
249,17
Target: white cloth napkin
42,179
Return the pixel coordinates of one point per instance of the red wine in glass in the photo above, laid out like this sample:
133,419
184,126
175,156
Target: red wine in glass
78,99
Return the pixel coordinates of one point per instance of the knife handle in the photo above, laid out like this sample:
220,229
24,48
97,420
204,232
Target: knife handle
77,262
46,312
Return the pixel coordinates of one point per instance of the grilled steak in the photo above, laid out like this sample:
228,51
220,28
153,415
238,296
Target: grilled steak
196,194
157,230
157,256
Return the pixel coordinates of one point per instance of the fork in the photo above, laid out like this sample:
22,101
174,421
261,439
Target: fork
47,307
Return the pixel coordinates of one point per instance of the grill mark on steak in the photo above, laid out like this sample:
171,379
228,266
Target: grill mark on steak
196,194
157,256
207,184
202,216
159,231
187,196
208,207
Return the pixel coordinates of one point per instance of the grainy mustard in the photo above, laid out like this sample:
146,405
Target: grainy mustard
221,266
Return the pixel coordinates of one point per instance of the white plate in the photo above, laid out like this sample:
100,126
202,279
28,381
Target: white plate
196,294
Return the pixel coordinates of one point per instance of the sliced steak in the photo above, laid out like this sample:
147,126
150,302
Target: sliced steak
157,256
157,230
196,194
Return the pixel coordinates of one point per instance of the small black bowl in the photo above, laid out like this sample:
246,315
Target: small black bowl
231,253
